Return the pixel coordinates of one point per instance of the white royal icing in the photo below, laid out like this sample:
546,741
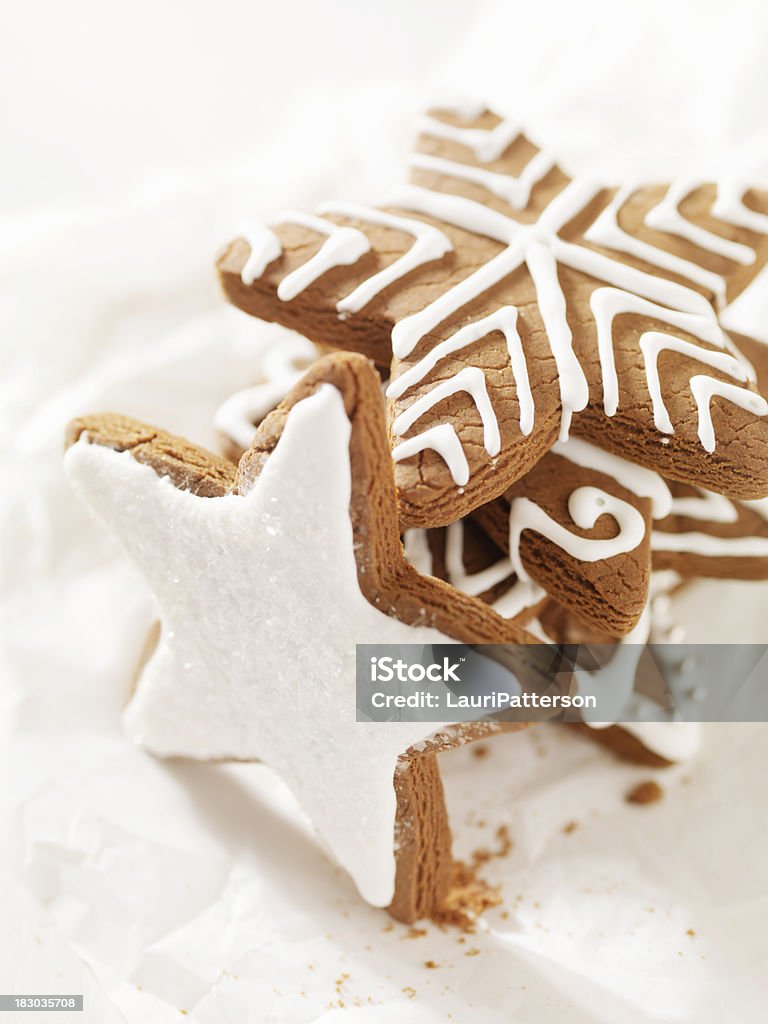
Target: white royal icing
712,508
710,546
282,366
677,742
653,343
705,505
521,595
342,247
585,506
606,231
504,320
666,216
539,247
758,505
417,552
645,483
729,206
470,379
470,583
265,248
445,441
516,191
429,244
608,303
704,389
525,244
486,144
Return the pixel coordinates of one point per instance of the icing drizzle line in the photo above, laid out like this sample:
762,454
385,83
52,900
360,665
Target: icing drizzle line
516,191
282,365
708,507
521,595
486,144
429,244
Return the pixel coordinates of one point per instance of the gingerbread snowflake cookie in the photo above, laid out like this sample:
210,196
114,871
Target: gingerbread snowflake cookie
514,305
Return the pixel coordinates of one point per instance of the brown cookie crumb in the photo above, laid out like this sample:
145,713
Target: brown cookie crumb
468,896
431,965
570,826
480,750
483,855
648,792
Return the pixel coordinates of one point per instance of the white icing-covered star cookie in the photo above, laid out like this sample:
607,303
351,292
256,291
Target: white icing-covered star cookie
261,604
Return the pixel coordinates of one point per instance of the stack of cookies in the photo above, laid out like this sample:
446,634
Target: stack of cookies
510,413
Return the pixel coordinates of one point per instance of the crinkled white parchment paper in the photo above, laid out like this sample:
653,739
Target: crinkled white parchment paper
185,891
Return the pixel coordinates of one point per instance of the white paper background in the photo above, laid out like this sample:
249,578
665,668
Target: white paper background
135,137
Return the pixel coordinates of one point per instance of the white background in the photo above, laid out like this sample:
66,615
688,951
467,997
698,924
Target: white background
134,138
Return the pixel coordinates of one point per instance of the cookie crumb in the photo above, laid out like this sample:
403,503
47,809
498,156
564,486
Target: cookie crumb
415,933
483,855
480,750
431,965
691,932
472,952
410,992
570,826
648,792
468,897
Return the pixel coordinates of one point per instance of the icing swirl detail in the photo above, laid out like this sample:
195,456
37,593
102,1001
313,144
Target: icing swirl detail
585,506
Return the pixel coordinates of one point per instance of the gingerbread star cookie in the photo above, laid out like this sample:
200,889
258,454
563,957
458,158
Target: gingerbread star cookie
514,304
265,578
